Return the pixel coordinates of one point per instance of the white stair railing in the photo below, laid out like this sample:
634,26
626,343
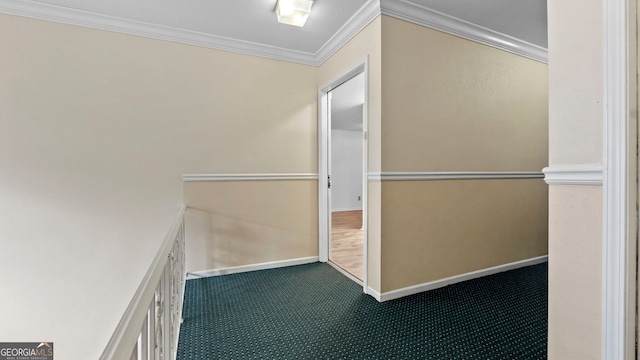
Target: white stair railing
150,327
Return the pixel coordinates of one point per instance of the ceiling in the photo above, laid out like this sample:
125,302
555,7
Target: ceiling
250,26
346,104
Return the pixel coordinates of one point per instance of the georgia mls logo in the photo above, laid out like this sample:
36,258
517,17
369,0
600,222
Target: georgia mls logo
26,351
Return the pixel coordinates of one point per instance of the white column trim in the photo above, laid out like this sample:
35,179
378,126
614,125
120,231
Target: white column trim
247,177
615,182
454,175
421,15
573,175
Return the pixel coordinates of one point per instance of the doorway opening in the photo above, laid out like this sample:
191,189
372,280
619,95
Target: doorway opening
346,175
343,167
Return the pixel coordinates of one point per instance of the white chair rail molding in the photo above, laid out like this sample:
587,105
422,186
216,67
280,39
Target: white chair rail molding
573,175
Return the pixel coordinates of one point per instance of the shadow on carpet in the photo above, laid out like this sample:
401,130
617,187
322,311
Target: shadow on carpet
314,312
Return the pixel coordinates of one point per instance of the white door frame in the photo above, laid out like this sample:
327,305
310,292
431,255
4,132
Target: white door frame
324,211
619,180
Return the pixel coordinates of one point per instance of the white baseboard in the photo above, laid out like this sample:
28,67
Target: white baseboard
415,289
345,273
251,267
347,209
376,295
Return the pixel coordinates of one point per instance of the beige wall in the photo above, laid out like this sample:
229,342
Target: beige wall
575,270
249,222
259,116
449,228
575,212
366,44
450,104
96,129
575,83
245,114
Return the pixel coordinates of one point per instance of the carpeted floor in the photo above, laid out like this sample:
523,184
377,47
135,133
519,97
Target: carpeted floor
314,312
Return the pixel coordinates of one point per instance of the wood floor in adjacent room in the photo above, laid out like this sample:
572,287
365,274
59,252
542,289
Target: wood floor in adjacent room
347,241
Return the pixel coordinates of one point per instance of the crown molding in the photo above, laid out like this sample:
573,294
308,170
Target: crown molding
65,15
401,9
424,16
365,15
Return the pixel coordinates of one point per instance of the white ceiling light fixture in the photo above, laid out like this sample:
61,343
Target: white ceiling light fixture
293,12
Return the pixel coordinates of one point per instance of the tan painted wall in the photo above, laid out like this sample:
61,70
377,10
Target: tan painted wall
451,104
248,222
96,129
575,212
366,43
454,105
249,115
450,228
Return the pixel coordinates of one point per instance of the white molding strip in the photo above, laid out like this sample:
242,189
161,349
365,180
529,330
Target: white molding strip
125,336
65,15
247,177
616,150
365,15
416,289
251,267
355,208
424,16
573,175
460,175
375,294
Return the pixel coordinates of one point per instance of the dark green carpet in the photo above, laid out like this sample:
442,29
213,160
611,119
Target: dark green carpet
314,312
